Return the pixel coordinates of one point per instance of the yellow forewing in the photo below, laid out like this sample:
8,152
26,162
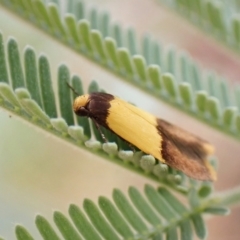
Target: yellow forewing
135,126
168,143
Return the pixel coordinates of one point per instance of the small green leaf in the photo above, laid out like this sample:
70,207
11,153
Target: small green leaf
169,84
117,35
172,201
46,87
105,23
84,33
93,15
79,10
125,60
201,101
115,218
111,50
70,6
22,233
143,207
45,229
72,29
56,21
32,75
184,60
228,116
146,48
159,203
82,223
140,65
154,74
186,93
15,64
3,62
199,226
193,197
131,40
214,108
212,84
205,190
99,221
128,211
30,10
65,227
65,94
196,77
41,10
93,87
217,210
157,54
171,60
225,93
97,43
186,230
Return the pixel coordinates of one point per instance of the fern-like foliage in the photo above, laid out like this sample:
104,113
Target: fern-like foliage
139,216
218,18
31,96
173,77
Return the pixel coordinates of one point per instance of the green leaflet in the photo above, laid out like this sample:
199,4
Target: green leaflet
89,222
216,18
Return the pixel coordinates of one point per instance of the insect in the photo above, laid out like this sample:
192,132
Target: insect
166,142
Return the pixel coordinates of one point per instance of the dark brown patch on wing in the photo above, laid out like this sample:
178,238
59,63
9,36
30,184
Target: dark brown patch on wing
98,106
184,151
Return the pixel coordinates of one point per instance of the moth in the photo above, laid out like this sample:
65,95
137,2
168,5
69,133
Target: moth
166,142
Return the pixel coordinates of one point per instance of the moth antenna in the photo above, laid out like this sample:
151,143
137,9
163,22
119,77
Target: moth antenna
74,91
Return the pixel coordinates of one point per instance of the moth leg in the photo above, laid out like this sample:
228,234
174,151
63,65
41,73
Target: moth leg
99,129
132,147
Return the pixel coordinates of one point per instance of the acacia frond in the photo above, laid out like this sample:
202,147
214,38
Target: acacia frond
171,76
138,216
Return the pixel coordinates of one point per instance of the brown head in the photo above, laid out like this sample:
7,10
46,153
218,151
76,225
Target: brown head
94,105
